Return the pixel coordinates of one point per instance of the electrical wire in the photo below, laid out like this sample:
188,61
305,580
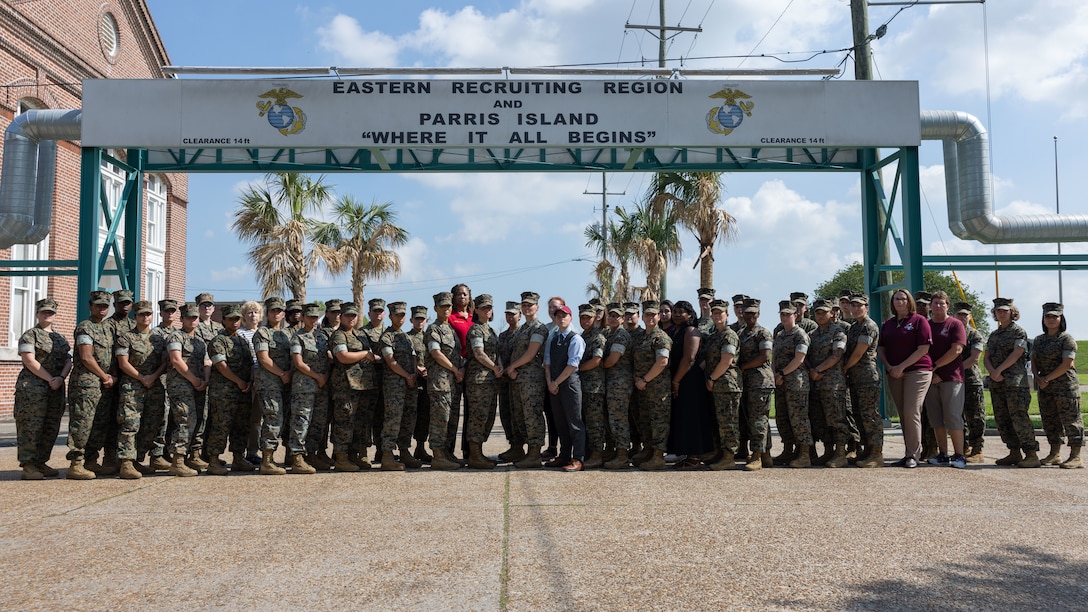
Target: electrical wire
780,15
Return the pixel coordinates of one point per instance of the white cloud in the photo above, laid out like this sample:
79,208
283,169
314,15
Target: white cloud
209,233
232,273
347,40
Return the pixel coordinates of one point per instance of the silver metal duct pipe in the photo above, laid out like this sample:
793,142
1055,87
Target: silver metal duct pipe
970,197
29,173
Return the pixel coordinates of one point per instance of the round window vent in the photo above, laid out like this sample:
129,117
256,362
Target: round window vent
109,36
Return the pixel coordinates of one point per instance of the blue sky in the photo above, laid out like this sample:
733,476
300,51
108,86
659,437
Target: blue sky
506,233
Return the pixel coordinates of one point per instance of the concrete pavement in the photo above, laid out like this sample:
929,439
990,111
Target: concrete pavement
985,538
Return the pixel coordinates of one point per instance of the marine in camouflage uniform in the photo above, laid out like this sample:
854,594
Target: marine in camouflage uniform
481,383
151,439
828,393
513,423
308,397
87,389
757,380
104,430
1010,396
793,386
974,401
354,387
185,409
317,438
270,383
423,402
145,354
655,397
592,378
229,402
38,406
207,330
743,435
529,385
442,339
705,324
638,423
619,378
398,385
863,376
1059,394
725,388
371,432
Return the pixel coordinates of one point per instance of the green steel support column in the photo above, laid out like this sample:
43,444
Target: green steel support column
89,202
134,223
911,203
872,233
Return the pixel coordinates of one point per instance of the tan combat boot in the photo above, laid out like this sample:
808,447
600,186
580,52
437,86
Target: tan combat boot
1013,458
1030,460
240,464
194,461
1055,456
975,456
31,472
341,463
268,468
216,467
408,460
875,458
803,458
838,459
1074,461
298,465
178,467
476,458
76,471
159,463
727,462
127,471
531,460
389,462
594,460
655,462
619,462
755,462
789,453
442,460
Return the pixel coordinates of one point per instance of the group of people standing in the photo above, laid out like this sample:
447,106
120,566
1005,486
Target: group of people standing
685,382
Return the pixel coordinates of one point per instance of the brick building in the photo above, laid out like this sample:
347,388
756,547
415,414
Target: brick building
46,50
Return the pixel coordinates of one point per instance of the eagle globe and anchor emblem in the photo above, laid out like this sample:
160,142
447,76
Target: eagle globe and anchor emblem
281,115
736,105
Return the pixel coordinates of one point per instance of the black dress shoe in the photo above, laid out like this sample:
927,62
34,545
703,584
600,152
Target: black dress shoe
558,462
549,453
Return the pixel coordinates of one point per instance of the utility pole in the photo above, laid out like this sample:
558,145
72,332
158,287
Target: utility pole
1058,210
604,193
662,36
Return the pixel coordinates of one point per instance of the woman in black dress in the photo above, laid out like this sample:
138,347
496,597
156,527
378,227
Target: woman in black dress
692,426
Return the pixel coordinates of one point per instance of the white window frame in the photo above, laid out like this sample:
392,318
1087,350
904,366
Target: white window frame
113,179
156,212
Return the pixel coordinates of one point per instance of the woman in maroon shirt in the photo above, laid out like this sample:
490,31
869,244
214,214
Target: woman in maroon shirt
944,403
903,348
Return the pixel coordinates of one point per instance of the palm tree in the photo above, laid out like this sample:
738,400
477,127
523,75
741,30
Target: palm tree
654,243
693,198
273,217
610,284
363,237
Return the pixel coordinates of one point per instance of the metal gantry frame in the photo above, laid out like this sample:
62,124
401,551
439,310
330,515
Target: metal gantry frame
905,236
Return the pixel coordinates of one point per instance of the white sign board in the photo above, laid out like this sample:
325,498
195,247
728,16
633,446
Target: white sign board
377,113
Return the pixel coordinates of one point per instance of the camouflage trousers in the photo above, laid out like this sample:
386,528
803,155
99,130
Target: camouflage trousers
228,419
791,415
104,429
363,436
400,413
84,403
727,413
38,411
1011,413
458,397
135,401
305,405
197,418
183,413
506,415
1061,415
757,403
851,416
440,416
865,401
594,419
618,404
529,401
655,411
974,415
480,404
351,419
152,435
270,400
831,405
317,436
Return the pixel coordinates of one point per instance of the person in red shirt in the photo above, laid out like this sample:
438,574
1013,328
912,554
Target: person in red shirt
461,321
944,402
903,348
